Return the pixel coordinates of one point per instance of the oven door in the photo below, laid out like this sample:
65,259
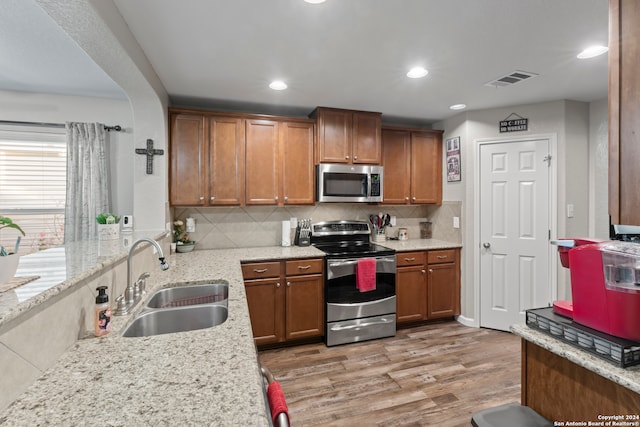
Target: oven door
341,281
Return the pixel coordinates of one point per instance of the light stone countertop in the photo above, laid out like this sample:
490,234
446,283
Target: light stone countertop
203,377
626,377
418,244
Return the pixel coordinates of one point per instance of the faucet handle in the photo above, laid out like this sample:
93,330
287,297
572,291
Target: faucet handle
121,306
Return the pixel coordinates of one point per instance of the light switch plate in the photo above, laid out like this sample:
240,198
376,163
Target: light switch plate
392,220
570,210
456,222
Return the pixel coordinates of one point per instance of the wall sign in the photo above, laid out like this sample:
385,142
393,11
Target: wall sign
514,123
454,167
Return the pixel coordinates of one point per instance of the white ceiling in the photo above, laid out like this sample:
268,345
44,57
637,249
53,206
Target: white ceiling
343,53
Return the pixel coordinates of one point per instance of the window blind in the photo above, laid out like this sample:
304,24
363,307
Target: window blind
33,164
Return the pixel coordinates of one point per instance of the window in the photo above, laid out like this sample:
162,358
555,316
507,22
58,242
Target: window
33,168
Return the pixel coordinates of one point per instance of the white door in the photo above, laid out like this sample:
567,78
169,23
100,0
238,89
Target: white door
514,231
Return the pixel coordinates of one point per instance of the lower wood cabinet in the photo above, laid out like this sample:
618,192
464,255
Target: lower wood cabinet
427,285
285,299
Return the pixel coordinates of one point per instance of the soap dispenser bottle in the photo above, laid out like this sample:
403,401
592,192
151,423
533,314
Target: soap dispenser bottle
102,317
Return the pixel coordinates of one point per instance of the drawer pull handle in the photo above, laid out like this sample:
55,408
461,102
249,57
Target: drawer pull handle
409,259
264,270
304,267
441,257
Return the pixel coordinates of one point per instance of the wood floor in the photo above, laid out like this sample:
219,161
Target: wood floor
432,375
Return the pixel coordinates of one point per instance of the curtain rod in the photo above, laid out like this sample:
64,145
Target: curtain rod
117,128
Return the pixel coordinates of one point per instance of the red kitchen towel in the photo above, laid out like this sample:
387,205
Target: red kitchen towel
366,274
277,402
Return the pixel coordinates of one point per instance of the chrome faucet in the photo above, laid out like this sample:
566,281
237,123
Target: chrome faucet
133,292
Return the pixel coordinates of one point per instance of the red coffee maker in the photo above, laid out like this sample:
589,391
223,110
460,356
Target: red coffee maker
605,285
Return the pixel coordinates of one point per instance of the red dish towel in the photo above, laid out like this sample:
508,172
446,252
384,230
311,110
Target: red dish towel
366,274
277,403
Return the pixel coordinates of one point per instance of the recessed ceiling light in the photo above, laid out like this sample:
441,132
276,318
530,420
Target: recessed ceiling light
278,85
458,107
315,1
417,72
592,51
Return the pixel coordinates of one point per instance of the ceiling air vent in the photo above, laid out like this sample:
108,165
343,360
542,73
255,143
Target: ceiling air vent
511,79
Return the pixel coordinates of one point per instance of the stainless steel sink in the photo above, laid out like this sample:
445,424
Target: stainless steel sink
179,319
189,295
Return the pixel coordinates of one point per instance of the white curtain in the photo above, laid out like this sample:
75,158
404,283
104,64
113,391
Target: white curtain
87,180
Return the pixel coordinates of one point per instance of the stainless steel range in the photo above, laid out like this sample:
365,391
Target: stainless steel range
352,313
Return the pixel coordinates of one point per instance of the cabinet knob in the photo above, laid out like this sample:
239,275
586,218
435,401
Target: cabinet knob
202,198
278,285
288,284
413,198
406,199
286,199
346,157
275,198
423,271
212,198
355,157
430,270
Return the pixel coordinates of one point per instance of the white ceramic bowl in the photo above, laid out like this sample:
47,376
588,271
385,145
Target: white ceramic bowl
185,248
8,267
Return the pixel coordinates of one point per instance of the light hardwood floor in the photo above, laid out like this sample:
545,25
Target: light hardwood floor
432,375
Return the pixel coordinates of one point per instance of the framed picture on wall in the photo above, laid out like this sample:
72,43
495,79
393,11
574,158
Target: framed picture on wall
454,167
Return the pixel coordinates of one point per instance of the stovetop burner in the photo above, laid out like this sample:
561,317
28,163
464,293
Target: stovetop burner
346,239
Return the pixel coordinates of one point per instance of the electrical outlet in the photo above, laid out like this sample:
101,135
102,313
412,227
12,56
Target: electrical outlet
392,221
456,222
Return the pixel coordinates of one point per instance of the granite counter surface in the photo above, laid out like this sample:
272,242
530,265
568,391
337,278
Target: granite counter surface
419,244
627,377
204,377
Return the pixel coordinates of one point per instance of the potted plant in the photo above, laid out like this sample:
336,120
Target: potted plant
9,261
108,226
181,237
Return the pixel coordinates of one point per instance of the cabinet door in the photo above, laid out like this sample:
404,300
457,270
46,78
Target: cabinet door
443,299
265,300
366,138
396,146
262,166
624,110
334,135
426,168
304,302
411,294
226,161
188,151
296,154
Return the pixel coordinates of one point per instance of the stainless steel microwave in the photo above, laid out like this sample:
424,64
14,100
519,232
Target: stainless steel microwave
348,183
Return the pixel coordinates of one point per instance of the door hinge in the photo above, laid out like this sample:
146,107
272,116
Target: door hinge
547,159
549,237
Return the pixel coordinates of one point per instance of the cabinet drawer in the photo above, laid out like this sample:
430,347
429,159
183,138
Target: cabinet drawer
260,270
303,266
436,257
404,259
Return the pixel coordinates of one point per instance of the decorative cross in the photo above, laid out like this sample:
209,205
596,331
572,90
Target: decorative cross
149,152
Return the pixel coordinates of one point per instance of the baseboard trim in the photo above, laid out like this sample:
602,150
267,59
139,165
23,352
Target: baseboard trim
467,321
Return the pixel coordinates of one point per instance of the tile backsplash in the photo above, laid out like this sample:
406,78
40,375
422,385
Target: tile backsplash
253,226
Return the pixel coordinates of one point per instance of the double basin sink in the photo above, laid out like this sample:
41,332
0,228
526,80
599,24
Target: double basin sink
180,309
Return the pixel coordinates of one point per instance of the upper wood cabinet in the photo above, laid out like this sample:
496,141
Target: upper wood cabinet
624,111
345,136
187,148
412,161
240,160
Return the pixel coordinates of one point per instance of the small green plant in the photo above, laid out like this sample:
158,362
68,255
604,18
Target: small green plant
108,218
8,223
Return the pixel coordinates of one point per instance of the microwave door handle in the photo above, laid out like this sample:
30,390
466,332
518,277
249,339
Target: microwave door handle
368,185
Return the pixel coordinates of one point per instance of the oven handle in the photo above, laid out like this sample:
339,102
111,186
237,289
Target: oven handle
382,321
346,267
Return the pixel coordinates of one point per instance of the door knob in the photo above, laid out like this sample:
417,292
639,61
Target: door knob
486,245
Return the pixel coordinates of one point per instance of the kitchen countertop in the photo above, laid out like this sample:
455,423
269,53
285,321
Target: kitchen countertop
203,377
627,377
418,244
